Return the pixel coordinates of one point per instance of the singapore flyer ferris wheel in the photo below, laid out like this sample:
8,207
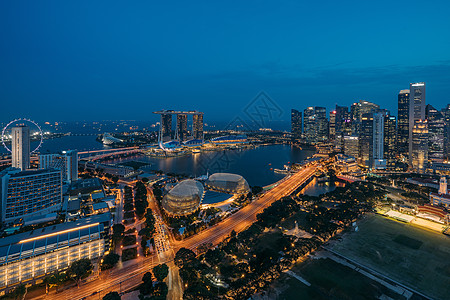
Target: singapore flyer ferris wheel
22,121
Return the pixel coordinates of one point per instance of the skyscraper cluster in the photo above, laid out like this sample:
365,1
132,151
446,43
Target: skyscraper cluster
418,137
181,128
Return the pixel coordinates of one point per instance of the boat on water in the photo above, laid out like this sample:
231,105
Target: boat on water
195,151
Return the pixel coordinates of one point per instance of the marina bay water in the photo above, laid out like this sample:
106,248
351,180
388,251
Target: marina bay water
256,165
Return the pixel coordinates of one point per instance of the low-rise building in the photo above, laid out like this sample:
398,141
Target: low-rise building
29,255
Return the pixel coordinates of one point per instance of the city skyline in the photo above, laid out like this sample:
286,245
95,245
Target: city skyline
156,56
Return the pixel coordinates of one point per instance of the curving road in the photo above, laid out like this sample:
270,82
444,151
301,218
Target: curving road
130,275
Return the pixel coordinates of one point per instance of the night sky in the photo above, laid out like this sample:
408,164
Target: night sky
107,60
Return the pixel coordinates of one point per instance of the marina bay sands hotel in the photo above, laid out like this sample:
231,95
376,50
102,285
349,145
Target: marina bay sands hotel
181,132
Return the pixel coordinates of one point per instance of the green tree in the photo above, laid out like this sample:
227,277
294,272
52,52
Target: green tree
20,291
112,296
80,269
183,257
147,284
118,230
160,291
54,280
161,272
110,260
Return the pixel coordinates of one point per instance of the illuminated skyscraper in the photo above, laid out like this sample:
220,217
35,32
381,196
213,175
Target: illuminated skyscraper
419,152
315,124
342,118
322,123
197,126
378,141
296,124
332,126
416,112
358,110
446,114
366,140
20,147
309,121
351,146
436,134
181,133
390,132
166,126
403,122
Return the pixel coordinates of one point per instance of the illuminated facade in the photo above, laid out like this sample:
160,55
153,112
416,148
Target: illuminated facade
436,134
332,125
181,132
315,124
67,162
416,112
296,124
197,126
29,255
378,141
228,183
351,146
390,139
166,126
403,122
29,193
366,140
184,198
419,152
20,147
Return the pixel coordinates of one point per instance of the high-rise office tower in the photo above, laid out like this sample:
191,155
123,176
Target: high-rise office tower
20,147
309,122
403,122
436,134
29,193
322,124
419,151
366,140
378,141
358,110
67,162
182,132
351,146
332,126
166,126
296,124
342,117
197,126
416,111
446,114
390,147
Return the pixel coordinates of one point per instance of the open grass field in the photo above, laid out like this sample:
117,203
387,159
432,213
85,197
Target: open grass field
331,280
415,257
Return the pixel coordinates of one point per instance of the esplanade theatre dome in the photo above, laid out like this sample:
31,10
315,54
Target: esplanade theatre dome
184,198
228,183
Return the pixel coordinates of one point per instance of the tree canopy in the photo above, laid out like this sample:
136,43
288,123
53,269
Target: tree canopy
184,256
161,272
80,269
112,296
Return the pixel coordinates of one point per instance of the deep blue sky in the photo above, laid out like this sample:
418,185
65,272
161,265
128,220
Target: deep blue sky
103,60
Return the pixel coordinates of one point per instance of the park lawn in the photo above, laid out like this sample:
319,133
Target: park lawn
413,256
331,280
